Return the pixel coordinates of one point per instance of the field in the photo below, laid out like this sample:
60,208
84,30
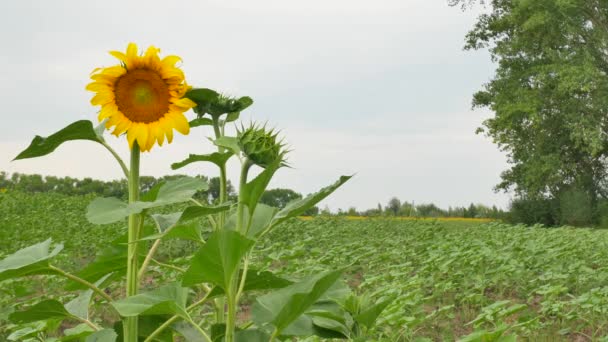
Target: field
449,279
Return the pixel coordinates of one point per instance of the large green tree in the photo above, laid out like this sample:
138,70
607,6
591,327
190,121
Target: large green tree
549,93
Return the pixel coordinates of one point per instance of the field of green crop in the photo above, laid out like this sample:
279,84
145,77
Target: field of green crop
449,280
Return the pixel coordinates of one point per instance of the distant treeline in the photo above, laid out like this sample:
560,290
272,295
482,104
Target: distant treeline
114,188
118,188
395,207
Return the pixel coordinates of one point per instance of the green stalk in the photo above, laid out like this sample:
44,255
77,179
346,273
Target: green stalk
240,209
233,289
130,323
231,321
176,317
223,190
221,218
72,277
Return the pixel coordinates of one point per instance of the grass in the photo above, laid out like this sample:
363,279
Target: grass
451,278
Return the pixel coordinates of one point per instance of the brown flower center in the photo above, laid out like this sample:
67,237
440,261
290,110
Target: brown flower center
142,95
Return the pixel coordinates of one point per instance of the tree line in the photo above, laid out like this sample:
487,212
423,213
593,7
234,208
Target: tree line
278,197
395,207
70,186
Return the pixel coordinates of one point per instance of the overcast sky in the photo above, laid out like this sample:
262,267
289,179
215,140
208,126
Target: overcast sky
377,88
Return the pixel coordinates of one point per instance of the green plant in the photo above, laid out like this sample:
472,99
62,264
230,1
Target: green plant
226,233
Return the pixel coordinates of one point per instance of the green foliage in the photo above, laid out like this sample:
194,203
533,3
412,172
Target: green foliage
169,299
282,308
79,130
442,276
41,311
548,96
215,104
217,261
29,261
279,198
110,210
576,208
534,210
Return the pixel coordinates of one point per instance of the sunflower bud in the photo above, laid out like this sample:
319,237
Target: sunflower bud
260,145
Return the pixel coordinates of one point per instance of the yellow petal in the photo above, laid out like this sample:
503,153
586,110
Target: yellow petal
132,61
172,75
151,59
184,103
181,123
122,126
114,71
170,61
142,136
166,125
119,55
158,133
151,138
98,86
102,98
106,111
132,134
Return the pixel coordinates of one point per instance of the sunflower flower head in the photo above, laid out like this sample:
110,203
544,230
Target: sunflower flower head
261,145
143,97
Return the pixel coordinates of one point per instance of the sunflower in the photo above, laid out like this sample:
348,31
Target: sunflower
143,96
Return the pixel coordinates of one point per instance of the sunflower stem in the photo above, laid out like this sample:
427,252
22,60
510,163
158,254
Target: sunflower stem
220,303
130,323
232,292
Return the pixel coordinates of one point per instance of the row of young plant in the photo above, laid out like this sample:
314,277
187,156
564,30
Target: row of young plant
144,98
479,282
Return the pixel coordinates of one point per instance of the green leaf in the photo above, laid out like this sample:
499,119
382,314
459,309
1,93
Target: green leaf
262,217
186,231
217,332
330,328
40,146
211,102
188,332
30,330
216,158
257,280
112,259
147,325
201,122
253,190
110,210
369,315
104,210
228,142
77,333
169,299
231,117
298,207
197,211
282,307
243,103
29,260
105,335
217,260
203,97
39,312
251,335
79,306
165,221
180,190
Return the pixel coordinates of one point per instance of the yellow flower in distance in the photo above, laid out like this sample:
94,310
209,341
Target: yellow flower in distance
143,96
